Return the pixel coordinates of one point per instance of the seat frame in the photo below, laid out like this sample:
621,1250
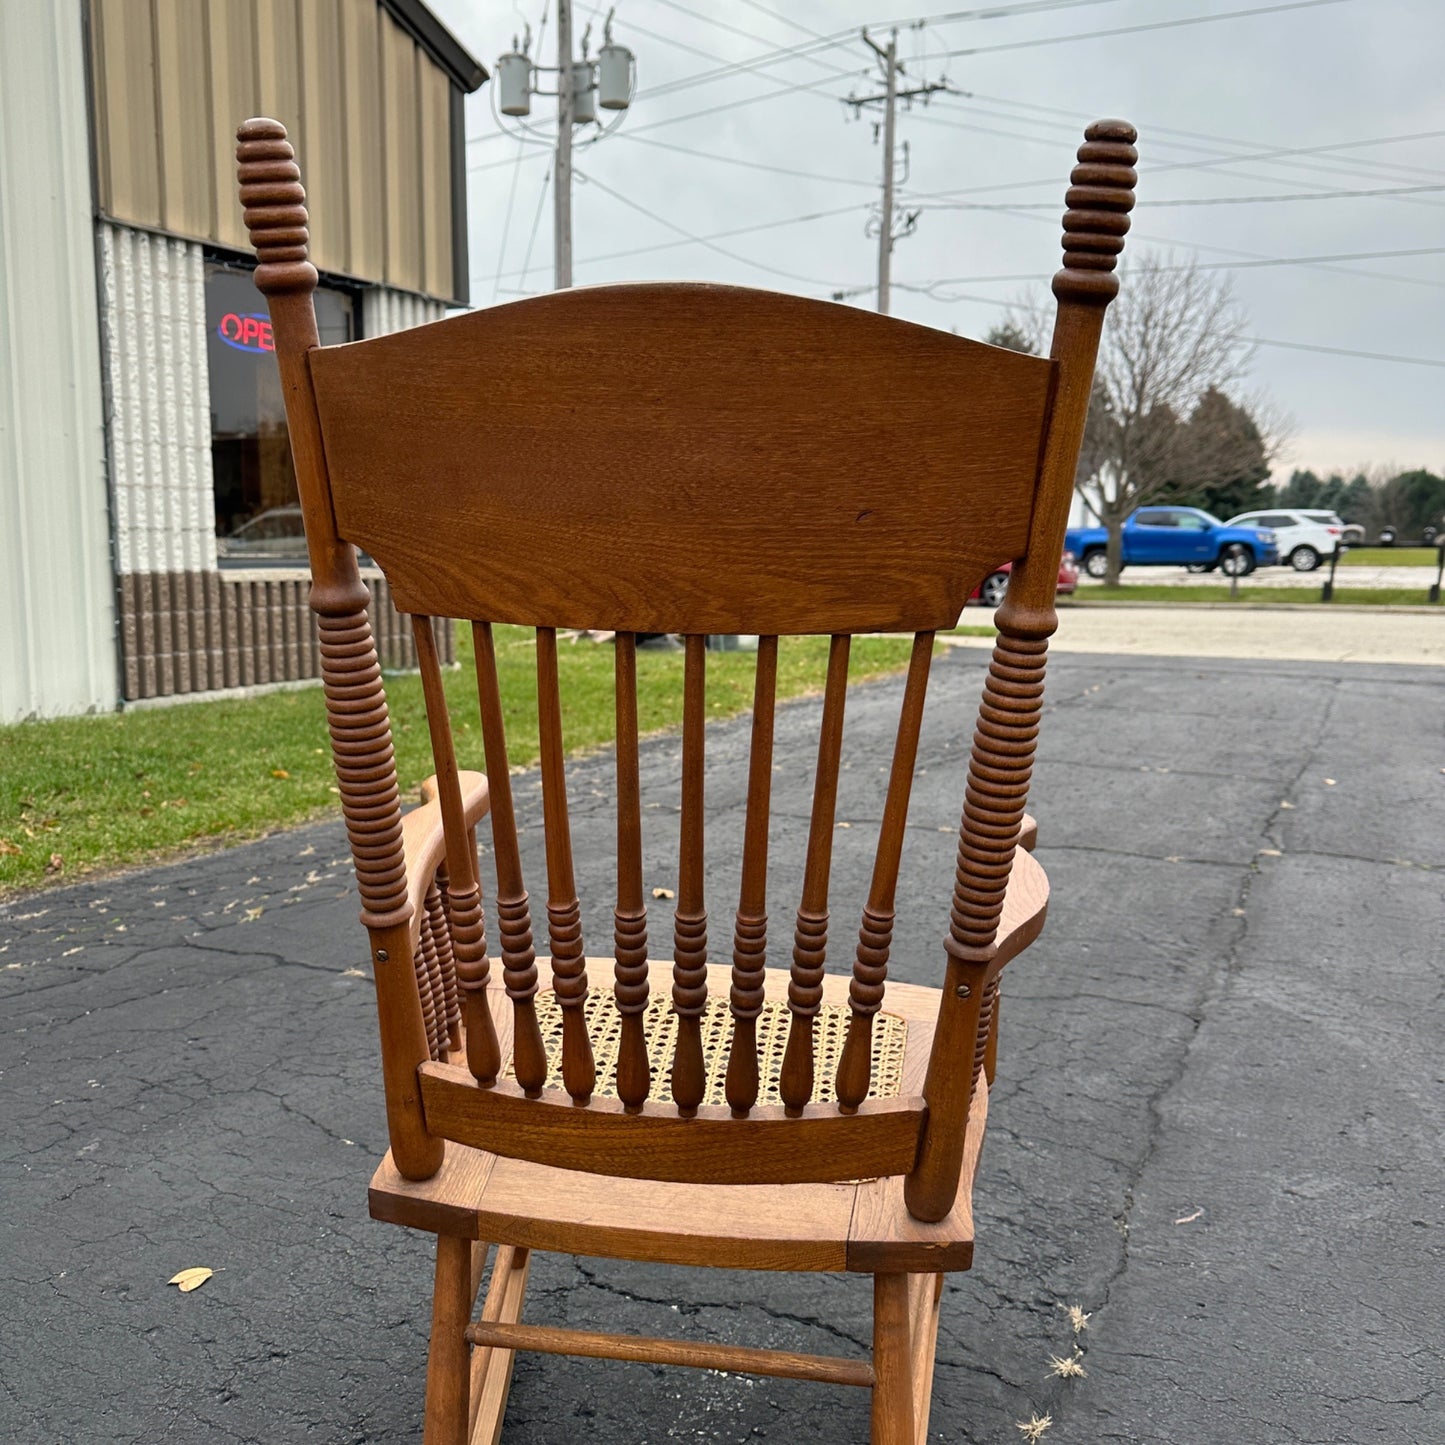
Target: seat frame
446,1027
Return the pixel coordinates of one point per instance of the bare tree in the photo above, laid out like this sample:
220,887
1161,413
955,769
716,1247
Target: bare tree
1175,334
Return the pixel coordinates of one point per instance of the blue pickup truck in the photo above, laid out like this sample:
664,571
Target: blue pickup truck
1177,537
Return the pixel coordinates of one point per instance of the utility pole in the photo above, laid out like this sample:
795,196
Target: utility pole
583,86
889,228
562,174
885,231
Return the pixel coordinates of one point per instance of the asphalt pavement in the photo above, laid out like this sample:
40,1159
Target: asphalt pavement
1216,1129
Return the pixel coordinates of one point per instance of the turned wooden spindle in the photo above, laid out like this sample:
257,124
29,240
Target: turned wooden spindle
441,926
875,934
564,911
629,930
689,926
514,911
429,980
464,887
750,930
1099,198
274,203
810,937
424,965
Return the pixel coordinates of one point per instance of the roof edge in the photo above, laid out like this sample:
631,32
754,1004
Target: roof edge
448,52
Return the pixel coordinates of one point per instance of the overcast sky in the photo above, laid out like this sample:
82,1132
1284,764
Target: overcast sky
1214,104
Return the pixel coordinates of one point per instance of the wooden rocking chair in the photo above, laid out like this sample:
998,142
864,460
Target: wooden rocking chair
688,459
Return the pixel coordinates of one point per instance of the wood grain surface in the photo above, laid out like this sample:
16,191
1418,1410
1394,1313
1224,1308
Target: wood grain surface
601,458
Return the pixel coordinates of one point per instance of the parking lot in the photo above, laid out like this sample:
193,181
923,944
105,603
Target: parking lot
1215,1131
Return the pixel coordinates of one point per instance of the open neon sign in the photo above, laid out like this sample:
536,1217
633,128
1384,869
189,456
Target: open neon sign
246,331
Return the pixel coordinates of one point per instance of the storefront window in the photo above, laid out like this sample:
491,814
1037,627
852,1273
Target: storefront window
258,516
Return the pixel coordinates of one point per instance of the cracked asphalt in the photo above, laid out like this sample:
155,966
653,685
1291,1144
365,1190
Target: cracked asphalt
1217,1127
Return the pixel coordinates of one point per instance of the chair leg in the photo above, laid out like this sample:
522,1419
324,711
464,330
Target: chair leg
447,1371
893,1421
925,1296
491,1368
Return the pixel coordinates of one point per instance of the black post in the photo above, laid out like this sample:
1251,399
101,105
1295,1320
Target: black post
1439,572
1327,592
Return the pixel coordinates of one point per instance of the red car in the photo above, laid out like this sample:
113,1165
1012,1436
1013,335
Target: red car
991,590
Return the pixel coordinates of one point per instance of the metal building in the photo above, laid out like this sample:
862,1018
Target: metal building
150,541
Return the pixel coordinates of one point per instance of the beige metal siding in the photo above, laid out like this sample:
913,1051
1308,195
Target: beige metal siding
401,136
436,124
365,182
124,47
367,107
231,32
182,95
323,130
57,607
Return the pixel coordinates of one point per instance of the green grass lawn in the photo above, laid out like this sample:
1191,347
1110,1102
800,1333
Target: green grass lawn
1389,557
1144,592
80,794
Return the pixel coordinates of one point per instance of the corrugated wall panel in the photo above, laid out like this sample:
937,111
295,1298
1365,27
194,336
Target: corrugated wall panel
183,94
365,104
278,67
436,172
323,132
384,311
365,171
401,131
57,611
123,45
234,96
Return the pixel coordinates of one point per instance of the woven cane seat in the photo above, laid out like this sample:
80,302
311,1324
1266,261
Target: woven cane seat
830,1028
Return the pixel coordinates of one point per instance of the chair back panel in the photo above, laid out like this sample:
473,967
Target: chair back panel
683,458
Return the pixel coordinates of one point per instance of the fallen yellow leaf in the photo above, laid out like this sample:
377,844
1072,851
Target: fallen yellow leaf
9,849
189,1279
279,773
663,893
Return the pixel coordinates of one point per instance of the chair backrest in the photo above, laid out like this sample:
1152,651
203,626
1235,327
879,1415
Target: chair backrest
693,459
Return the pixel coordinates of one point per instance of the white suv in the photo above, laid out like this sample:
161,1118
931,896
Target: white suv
1306,538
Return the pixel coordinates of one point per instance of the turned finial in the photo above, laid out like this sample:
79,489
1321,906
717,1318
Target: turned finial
1099,199
274,201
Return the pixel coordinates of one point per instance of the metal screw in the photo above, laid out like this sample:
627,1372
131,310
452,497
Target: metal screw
381,955
963,991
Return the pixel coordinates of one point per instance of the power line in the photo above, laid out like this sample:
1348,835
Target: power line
822,41
705,241
1244,340
999,12
715,236
1294,196
785,19
776,56
1344,351
1285,156
507,222
734,104
746,34
1196,200
1210,265
1215,162
749,165
1140,29
536,221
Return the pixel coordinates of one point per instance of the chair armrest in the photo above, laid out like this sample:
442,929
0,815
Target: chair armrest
424,843
1025,906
